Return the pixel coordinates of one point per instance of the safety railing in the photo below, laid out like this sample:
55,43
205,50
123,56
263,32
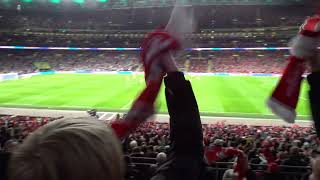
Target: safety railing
261,170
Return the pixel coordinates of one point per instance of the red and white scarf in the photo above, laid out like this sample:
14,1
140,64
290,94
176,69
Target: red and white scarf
284,98
156,45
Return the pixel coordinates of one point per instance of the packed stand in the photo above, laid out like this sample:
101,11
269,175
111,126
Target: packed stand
26,61
16,128
271,151
85,148
208,62
132,39
206,16
249,62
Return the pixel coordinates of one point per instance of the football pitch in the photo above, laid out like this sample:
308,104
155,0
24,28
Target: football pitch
216,95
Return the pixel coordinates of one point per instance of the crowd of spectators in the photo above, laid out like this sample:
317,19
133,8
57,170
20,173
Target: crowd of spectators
129,39
68,40
24,61
16,128
206,16
126,28
249,62
270,150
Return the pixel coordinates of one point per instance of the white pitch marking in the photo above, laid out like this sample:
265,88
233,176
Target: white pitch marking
17,104
233,113
73,106
239,118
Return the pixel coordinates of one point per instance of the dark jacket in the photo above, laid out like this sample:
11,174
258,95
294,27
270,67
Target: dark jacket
4,158
185,159
294,160
314,96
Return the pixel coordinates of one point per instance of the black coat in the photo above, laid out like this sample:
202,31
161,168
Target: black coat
4,159
314,96
185,159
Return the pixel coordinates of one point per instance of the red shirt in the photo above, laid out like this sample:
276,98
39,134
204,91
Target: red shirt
213,154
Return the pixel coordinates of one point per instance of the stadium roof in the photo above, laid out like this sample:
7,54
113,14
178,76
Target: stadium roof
105,4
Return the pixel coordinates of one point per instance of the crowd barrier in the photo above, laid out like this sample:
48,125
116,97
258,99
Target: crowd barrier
261,170
132,72
139,49
9,76
12,76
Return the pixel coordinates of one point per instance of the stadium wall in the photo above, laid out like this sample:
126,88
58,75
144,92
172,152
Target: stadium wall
14,76
9,76
131,73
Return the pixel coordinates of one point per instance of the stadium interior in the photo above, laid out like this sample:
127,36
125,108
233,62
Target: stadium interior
83,58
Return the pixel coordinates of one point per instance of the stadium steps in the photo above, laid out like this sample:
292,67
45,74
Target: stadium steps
139,68
209,67
187,65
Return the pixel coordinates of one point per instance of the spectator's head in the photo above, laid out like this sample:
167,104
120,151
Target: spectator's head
229,175
306,145
137,150
69,149
161,157
118,116
294,151
167,148
133,144
281,155
296,143
218,142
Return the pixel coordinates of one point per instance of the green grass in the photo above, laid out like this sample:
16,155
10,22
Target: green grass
216,95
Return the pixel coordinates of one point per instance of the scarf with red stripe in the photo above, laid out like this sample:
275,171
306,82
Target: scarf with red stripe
155,46
241,166
284,98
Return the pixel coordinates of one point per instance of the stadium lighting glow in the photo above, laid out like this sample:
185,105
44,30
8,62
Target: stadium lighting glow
78,1
138,49
55,1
